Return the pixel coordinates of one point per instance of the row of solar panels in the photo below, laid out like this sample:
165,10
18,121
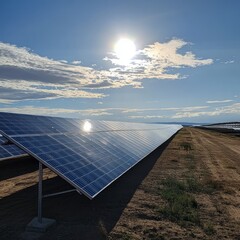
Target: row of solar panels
29,124
233,126
90,155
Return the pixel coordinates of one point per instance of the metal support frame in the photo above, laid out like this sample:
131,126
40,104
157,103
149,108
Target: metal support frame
40,192
14,157
40,224
40,178
58,193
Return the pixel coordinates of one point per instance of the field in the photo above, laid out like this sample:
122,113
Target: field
189,188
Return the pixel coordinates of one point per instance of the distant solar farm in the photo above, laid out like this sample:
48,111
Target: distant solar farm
231,127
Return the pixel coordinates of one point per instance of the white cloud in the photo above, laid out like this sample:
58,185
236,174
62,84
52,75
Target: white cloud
156,59
16,90
185,112
141,110
76,62
63,61
38,110
173,113
27,75
95,112
192,114
55,111
146,116
166,55
219,101
231,109
229,62
22,71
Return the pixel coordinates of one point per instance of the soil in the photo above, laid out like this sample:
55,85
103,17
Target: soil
128,208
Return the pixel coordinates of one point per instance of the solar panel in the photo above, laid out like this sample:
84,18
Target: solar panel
10,151
2,140
90,155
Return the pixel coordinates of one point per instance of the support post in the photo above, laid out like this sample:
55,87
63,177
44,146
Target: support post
40,178
40,224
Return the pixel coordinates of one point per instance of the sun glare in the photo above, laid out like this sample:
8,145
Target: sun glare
125,50
87,126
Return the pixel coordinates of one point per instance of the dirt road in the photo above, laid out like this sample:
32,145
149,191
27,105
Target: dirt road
132,207
210,157
220,155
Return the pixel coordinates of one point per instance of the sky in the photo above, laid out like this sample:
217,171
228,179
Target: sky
59,58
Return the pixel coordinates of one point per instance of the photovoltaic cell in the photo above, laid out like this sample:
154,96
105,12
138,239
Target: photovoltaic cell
89,160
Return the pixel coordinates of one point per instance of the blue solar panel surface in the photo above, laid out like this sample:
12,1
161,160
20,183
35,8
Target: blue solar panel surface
20,124
2,140
9,151
89,158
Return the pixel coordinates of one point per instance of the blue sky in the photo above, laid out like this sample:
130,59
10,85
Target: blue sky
57,58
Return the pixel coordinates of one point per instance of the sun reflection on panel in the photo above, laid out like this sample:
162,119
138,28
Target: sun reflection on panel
87,126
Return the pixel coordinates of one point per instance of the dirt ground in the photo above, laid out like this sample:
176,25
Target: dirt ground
128,209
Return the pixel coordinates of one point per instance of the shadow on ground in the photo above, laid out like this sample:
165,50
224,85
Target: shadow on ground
17,167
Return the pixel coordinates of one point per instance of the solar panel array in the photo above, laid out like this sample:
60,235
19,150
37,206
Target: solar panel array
90,155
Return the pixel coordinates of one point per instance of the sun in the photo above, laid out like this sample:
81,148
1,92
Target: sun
125,50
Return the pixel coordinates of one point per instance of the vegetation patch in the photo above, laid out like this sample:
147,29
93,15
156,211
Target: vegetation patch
186,146
122,236
149,206
180,205
193,185
209,229
212,186
152,234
